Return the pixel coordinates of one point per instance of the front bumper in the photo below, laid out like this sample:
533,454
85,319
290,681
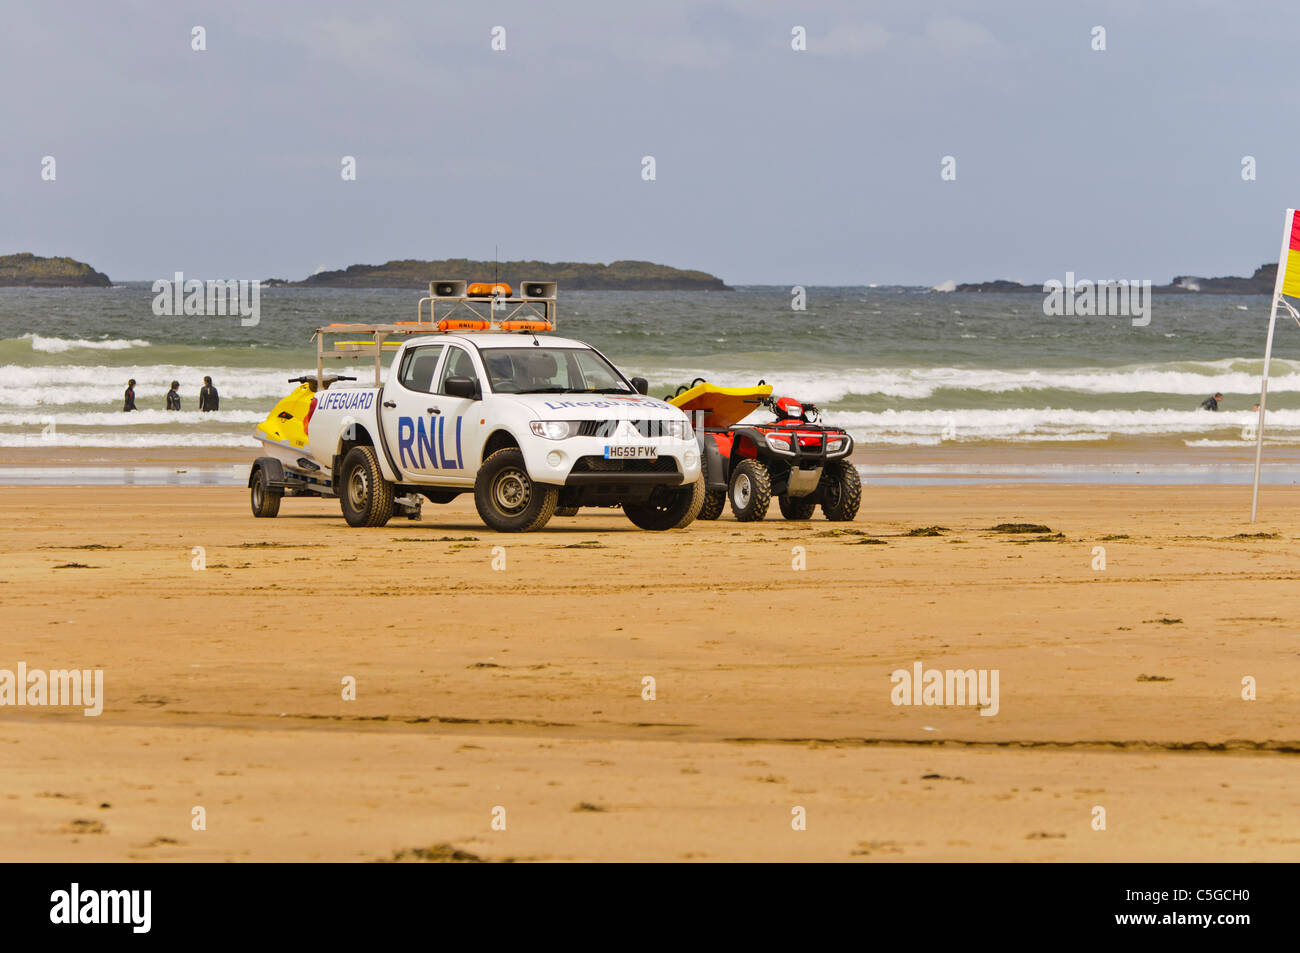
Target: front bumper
558,462
597,471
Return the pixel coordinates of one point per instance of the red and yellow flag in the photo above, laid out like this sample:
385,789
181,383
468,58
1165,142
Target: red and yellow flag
1291,277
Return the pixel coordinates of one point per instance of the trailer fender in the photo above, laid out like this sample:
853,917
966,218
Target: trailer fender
274,470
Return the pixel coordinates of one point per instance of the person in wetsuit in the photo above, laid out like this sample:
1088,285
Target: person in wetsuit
208,397
1211,403
128,399
174,398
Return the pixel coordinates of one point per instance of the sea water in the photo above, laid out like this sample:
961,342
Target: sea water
898,367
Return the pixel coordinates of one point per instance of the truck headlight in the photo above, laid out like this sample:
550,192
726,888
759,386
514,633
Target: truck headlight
554,429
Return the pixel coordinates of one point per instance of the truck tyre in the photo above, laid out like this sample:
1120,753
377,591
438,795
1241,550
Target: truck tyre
566,511
797,507
366,497
506,497
265,501
841,491
715,501
682,506
750,491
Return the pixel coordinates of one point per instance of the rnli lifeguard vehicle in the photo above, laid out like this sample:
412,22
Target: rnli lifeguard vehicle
478,397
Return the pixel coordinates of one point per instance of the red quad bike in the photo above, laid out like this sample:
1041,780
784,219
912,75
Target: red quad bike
801,462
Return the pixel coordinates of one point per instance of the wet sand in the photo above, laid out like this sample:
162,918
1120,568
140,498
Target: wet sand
522,688
1121,462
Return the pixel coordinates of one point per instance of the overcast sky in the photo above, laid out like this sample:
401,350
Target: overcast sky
772,166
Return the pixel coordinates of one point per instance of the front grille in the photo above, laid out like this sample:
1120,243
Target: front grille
609,428
601,465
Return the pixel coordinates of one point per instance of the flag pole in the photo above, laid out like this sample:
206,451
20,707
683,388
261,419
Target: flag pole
1268,357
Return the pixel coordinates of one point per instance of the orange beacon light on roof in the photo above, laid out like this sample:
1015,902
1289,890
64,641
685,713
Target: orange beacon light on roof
488,289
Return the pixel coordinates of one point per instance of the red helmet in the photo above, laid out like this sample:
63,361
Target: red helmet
790,408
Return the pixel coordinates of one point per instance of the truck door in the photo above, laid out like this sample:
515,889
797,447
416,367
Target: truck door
412,419
461,428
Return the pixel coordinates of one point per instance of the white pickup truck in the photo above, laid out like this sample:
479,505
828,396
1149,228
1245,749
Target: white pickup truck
527,422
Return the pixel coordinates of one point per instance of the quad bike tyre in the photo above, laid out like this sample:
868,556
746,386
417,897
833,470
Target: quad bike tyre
750,491
715,501
796,507
566,511
265,501
679,512
841,492
506,497
366,497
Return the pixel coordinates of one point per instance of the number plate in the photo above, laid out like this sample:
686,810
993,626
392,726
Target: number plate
631,453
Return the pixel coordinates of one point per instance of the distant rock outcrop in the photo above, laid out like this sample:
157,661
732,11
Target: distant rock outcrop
1260,283
26,270
616,276
1001,285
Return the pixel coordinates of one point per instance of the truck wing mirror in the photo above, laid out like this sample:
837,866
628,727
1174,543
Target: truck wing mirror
461,387
640,385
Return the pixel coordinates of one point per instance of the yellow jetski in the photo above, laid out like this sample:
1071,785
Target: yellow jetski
284,431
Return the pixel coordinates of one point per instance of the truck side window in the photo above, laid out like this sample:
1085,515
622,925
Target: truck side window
418,366
459,364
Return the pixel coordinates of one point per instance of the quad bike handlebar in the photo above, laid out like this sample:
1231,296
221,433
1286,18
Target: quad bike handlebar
810,411
310,379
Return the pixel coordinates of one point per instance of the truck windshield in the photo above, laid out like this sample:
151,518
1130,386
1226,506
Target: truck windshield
551,370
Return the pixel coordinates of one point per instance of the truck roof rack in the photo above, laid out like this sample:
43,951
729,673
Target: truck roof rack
489,306
452,309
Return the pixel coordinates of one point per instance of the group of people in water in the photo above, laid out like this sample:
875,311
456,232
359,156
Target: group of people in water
209,399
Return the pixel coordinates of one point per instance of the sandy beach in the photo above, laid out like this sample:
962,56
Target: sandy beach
517,693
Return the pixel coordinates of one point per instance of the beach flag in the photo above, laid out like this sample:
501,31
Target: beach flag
1290,264
1286,285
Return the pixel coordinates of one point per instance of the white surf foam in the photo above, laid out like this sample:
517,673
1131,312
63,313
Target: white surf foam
139,418
53,345
1024,425
1244,442
1230,376
128,440
77,384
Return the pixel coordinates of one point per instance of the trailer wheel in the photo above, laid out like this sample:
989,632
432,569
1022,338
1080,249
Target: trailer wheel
506,497
841,491
750,491
682,506
265,501
796,507
566,511
366,497
715,501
